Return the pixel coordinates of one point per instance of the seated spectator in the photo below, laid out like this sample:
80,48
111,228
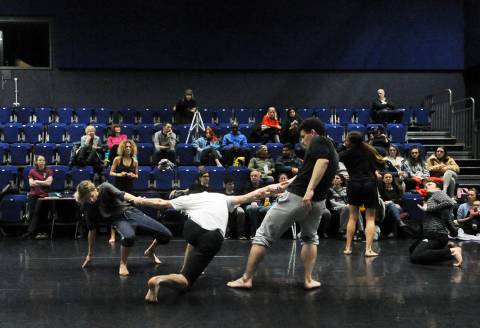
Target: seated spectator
471,222
208,148
378,139
202,183
164,142
263,163
464,208
236,219
256,210
288,162
339,208
270,128
113,140
234,144
40,179
185,108
383,110
391,194
414,170
394,157
290,132
443,167
90,151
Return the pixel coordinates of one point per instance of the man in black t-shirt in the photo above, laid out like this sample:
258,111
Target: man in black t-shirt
185,108
303,202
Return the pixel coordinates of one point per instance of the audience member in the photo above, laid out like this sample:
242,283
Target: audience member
202,183
288,162
234,144
379,140
40,179
185,108
236,218
164,142
264,164
394,157
270,128
463,209
391,194
257,209
114,139
414,170
470,223
90,151
208,148
383,110
290,132
442,166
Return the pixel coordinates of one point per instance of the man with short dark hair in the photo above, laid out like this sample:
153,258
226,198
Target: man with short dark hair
288,162
164,142
234,144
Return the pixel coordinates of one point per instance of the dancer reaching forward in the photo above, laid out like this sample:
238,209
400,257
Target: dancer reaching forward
204,231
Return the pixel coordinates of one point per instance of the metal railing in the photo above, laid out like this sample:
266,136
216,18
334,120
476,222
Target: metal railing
464,124
439,104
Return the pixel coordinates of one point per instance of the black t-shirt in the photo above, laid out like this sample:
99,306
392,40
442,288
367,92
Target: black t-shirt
359,163
183,105
320,147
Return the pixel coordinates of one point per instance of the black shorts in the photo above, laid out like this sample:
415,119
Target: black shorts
363,192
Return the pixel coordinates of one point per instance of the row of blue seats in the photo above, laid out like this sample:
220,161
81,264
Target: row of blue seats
67,115
66,178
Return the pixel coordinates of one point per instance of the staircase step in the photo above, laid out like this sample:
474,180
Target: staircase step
468,180
470,170
449,148
473,162
432,140
428,133
457,155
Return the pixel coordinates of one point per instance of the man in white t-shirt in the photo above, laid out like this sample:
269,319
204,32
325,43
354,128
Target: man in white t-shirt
204,231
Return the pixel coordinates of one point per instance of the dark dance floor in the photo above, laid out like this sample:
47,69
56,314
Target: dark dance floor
42,285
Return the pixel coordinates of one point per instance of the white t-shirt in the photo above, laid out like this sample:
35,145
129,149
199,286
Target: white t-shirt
208,210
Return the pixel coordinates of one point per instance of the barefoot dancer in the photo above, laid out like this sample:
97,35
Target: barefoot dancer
303,202
432,245
362,162
204,231
112,206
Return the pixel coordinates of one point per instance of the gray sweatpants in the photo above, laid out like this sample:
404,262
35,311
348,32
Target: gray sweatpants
283,214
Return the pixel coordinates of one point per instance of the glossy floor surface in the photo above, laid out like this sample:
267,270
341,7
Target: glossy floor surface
42,285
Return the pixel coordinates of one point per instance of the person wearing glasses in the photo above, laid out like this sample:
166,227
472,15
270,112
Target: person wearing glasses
443,168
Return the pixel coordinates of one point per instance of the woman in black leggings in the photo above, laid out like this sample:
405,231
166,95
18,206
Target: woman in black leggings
204,231
432,244
113,206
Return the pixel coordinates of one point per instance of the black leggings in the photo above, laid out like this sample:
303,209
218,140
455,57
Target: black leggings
430,249
132,219
206,243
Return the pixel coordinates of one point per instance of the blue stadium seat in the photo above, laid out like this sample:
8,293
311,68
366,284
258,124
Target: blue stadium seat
84,115
375,125
258,114
208,115
78,174
222,129
128,129
246,129
336,132
422,116
396,132
185,154
145,133
5,115
55,133
324,114
356,127
42,115
253,148
143,181
410,202
47,150
407,116
24,184
240,175
103,115
343,115
60,177
144,153
305,112
187,176
128,115
217,174
64,151
12,208
163,179
400,147
12,132
165,115
223,115
242,115
64,115
8,175
182,132
75,132
362,115
20,153
100,130
146,115
3,152
275,150
22,115
33,132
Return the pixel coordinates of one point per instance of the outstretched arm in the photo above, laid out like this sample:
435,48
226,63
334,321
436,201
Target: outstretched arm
152,202
91,240
260,193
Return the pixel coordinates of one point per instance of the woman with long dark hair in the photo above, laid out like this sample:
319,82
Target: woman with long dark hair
363,163
440,165
208,148
290,131
414,169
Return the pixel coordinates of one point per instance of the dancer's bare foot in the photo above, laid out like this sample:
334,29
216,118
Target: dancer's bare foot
240,283
111,241
123,271
312,284
457,254
370,253
347,251
153,285
150,253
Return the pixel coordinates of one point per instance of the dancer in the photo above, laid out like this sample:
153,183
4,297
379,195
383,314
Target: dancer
303,202
362,162
107,203
432,245
204,231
